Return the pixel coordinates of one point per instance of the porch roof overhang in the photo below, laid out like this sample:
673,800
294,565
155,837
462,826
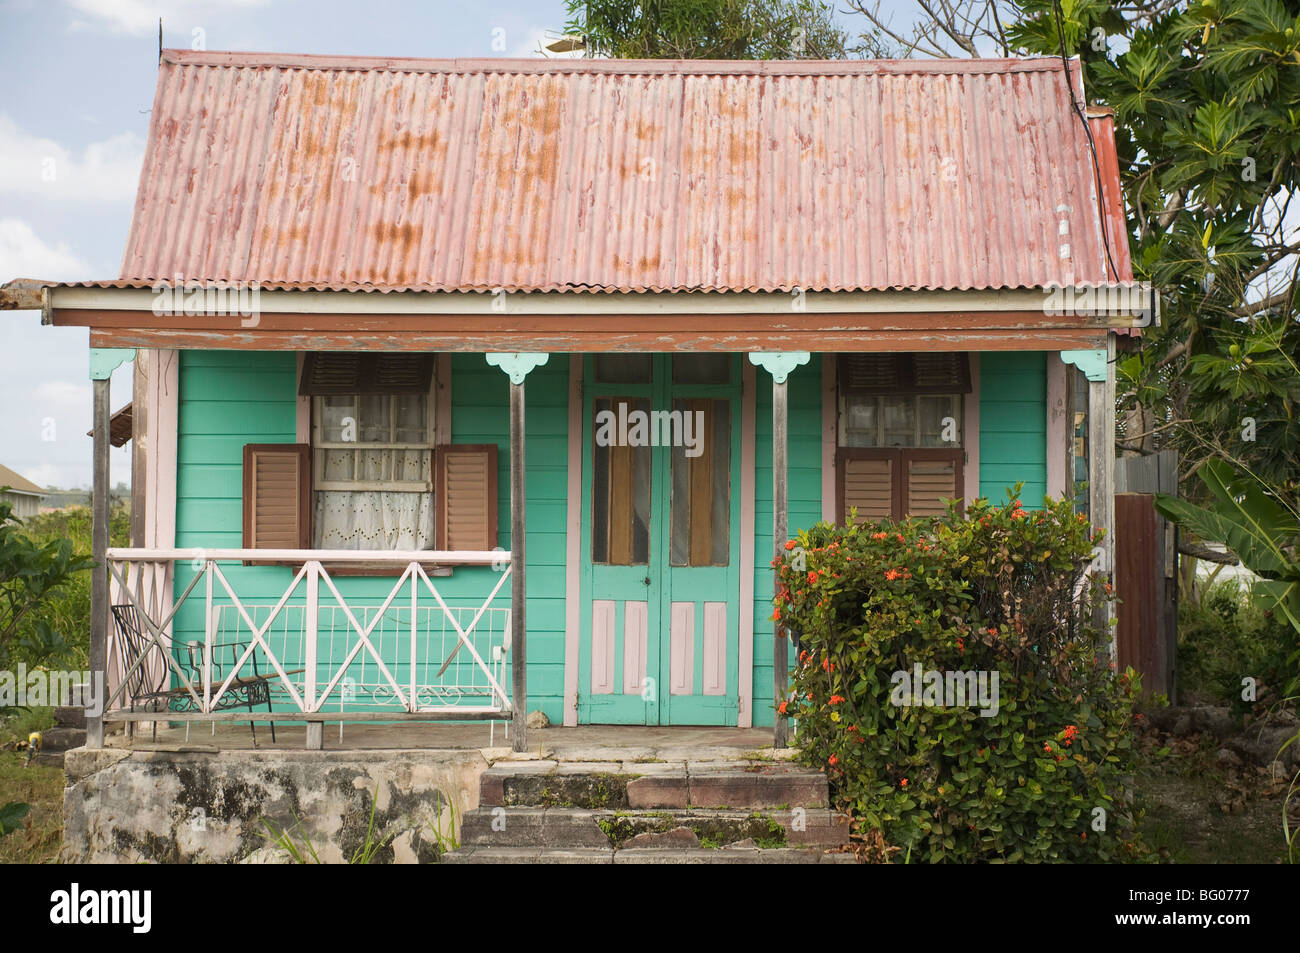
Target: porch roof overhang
125,315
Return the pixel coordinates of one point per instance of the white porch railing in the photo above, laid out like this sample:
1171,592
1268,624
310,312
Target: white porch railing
408,655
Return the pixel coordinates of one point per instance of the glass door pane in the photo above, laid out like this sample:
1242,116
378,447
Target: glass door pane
620,491
701,483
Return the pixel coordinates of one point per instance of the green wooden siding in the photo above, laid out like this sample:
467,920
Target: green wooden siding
1013,425
228,399
805,503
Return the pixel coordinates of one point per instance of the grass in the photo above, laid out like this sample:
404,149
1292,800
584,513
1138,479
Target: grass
1196,812
40,786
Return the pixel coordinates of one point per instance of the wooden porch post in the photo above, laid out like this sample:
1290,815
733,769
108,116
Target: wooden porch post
1098,365
102,364
779,365
518,595
517,366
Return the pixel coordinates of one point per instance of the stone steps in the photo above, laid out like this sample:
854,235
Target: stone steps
629,785
725,855
653,813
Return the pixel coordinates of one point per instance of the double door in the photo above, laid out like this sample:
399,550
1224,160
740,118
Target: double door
660,538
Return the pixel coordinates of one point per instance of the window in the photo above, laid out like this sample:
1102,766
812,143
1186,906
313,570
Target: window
373,476
372,458
900,433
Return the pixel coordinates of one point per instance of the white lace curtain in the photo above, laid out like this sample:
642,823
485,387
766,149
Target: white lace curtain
375,519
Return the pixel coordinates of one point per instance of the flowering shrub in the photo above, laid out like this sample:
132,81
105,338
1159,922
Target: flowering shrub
951,682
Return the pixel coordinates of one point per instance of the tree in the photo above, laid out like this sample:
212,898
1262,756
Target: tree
1207,106
708,29
30,575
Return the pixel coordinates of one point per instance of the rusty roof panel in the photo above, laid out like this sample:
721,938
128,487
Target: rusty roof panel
581,175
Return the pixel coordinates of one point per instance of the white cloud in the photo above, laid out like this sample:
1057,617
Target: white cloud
140,17
50,474
24,255
533,44
108,170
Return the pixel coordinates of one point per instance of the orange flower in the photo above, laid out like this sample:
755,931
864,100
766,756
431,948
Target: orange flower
789,544
832,760
836,699
903,783
879,535
781,708
1047,747
892,575
813,577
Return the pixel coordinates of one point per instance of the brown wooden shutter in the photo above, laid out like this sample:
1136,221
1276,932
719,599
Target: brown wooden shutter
929,478
344,372
895,484
869,480
465,489
892,374
277,496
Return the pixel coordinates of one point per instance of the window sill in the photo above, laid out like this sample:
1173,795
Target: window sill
434,570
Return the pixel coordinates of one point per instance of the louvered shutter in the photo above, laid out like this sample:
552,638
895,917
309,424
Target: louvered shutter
893,374
326,373
277,496
869,482
930,477
895,484
466,493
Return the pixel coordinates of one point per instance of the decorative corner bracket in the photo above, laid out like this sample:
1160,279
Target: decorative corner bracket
105,360
1092,362
517,364
779,363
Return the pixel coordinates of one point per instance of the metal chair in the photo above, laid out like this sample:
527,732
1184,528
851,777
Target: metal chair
151,692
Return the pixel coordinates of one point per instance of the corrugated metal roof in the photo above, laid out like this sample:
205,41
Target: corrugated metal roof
615,175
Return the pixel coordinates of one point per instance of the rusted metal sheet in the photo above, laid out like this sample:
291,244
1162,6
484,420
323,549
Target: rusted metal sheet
1145,629
596,341
615,175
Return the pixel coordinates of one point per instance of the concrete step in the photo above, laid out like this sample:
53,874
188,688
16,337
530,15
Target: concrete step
566,827
62,739
725,855
69,716
636,786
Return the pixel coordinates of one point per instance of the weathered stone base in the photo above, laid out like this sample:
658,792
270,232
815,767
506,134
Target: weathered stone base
215,807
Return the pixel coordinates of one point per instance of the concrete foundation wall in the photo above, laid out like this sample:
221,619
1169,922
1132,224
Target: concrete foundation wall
213,807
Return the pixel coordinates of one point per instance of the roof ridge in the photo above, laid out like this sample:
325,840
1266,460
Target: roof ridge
331,62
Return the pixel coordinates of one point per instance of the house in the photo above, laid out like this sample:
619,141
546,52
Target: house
20,492
392,320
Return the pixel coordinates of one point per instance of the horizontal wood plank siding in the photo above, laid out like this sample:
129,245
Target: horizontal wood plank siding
230,398
805,503
1013,426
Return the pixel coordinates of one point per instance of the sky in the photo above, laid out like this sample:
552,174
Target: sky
76,85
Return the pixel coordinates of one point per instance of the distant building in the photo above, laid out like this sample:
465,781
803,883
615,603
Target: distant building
25,495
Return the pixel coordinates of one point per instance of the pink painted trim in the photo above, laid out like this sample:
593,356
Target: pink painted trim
573,546
830,435
971,433
681,652
602,646
715,648
636,619
442,400
162,421
745,660
1058,429
161,398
